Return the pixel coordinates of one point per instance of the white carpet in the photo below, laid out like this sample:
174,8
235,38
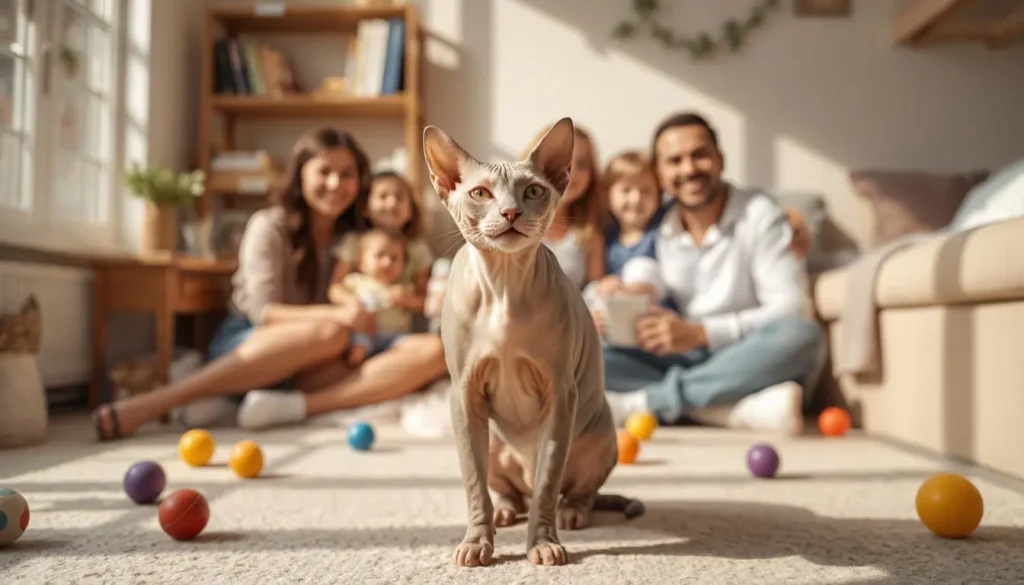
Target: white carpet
326,514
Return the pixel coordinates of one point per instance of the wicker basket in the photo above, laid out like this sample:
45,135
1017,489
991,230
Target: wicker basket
23,412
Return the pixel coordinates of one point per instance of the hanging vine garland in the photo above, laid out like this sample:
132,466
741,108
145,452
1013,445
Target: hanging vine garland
734,32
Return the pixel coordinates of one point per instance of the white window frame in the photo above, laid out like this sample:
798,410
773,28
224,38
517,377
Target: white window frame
38,227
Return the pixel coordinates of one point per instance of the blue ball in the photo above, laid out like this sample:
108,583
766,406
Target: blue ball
360,436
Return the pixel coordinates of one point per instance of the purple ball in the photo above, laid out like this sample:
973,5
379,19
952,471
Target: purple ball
144,482
763,461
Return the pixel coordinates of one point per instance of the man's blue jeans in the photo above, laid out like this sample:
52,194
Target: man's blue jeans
790,349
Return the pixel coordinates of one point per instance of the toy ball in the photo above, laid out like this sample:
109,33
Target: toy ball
949,505
360,436
629,447
246,459
196,447
13,516
144,482
183,514
763,461
642,425
834,422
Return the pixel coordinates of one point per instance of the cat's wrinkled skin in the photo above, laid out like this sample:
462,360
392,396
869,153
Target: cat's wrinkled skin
528,408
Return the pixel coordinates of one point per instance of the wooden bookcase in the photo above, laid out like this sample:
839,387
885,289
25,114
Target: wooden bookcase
308,20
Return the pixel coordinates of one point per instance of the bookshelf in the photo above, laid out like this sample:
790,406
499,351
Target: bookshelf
343,22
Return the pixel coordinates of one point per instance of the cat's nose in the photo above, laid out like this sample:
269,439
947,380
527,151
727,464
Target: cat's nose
511,214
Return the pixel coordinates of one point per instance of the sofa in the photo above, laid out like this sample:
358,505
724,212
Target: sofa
949,310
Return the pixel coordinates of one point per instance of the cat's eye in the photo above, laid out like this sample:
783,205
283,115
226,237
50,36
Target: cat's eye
479,193
534,191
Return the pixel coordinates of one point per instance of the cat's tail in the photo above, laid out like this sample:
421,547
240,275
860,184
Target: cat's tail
632,508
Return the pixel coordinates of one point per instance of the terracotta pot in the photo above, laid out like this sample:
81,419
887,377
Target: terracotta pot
159,228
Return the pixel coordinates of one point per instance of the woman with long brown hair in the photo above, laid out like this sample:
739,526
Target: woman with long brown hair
575,235
280,330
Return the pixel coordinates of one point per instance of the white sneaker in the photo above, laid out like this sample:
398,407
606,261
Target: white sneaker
777,408
206,412
268,408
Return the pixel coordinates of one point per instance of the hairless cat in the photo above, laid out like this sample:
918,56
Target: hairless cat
529,413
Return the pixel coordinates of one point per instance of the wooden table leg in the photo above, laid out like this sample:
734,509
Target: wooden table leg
99,341
164,348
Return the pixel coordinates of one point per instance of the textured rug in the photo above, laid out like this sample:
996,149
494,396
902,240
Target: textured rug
842,511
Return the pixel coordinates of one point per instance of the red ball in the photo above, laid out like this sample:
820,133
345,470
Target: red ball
183,514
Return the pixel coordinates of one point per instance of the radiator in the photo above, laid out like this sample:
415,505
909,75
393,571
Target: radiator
65,301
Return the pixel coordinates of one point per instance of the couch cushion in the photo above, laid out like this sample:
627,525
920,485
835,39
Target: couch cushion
972,266
910,202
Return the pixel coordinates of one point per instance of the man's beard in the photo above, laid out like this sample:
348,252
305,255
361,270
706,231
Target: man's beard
712,193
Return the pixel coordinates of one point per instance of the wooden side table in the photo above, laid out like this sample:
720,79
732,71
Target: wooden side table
164,285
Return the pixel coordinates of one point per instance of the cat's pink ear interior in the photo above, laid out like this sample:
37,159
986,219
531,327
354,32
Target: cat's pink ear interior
552,156
444,159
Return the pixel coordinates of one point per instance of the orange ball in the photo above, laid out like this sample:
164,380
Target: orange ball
246,459
629,448
949,505
834,422
642,425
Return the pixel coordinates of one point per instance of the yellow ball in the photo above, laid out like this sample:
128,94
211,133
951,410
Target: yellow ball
246,459
641,425
196,447
949,505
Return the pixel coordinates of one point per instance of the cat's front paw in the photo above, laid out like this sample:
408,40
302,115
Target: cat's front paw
548,552
474,551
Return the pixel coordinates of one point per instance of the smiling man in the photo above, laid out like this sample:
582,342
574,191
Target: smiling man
742,348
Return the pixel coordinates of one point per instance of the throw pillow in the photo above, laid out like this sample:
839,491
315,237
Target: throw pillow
912,202
999,198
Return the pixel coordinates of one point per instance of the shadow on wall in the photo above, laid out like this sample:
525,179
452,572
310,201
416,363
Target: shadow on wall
812,98
457,94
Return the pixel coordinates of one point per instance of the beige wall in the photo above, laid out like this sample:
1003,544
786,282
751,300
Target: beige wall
807,100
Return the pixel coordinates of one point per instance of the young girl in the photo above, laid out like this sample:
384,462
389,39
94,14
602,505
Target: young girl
631,198
634,209
390,206
575,235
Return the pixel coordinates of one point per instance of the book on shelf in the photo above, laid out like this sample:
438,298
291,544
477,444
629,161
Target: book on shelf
242,172
249,68
375,64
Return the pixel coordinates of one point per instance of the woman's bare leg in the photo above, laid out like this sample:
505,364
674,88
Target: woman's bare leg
410,364
271,354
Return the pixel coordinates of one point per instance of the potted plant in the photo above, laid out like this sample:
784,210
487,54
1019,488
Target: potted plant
165,192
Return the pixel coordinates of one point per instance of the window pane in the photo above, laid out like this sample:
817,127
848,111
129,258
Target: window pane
8,89
71,120
10,171
8,21
73,57
94,191
102,8
98,129
67,187
98,67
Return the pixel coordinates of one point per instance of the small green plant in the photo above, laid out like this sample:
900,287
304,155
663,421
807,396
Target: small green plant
161,186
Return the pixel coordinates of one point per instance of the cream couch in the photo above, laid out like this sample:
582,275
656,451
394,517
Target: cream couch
951,341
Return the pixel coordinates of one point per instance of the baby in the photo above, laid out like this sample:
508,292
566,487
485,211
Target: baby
380,263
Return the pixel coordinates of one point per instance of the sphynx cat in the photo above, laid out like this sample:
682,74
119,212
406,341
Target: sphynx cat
529,412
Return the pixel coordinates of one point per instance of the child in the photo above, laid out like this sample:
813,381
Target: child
631,197
391,206
634,210
380,262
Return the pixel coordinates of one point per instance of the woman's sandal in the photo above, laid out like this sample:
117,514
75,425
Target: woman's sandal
115,425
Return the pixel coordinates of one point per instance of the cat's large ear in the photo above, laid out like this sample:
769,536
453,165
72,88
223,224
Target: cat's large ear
445,160
553,154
